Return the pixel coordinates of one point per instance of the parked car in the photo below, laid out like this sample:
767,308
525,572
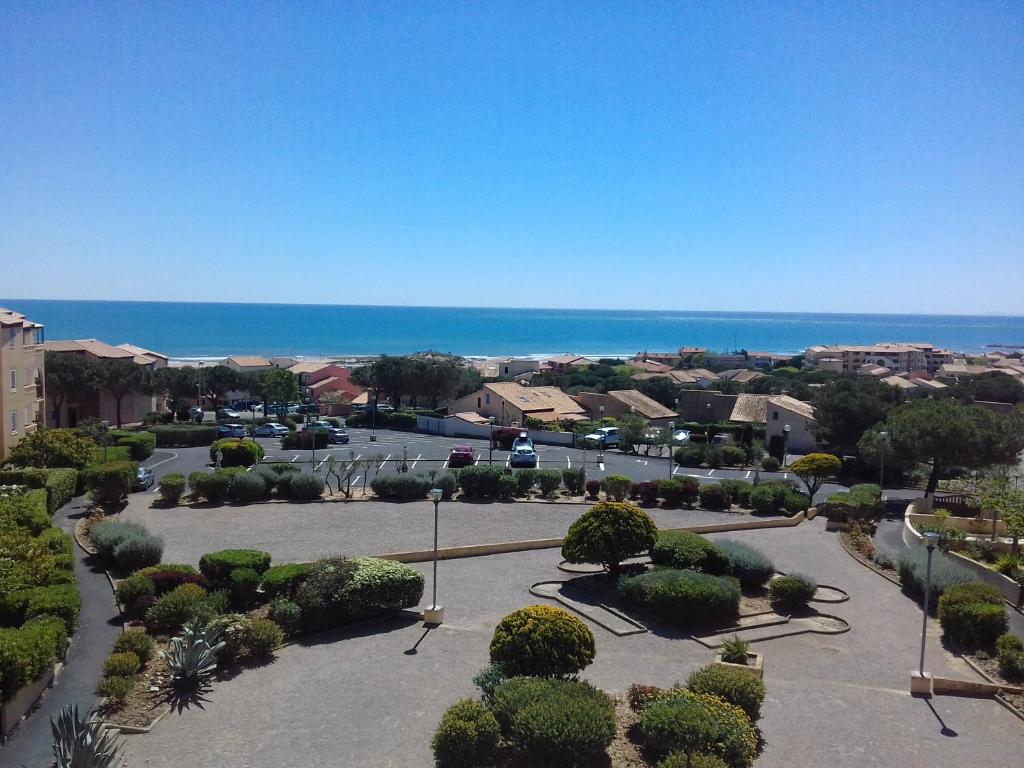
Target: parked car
610,436
681,437
523,456
338,436
522,440
270,430
722,438
144,479
230,430
227,413
195,413
461,456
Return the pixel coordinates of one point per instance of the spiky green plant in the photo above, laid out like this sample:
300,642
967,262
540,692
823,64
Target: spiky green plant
735,650
82,742
193,657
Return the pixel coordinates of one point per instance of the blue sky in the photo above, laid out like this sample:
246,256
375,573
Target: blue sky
750,156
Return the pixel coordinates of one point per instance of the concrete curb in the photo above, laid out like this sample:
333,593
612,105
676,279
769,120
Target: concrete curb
998,696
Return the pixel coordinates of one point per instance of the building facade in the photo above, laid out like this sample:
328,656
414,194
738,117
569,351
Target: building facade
22,378
896,357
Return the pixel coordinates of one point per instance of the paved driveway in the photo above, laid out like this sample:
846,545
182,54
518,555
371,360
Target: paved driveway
360,696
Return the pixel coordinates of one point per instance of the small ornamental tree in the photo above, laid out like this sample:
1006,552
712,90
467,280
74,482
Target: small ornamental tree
52,448
814,469
608,533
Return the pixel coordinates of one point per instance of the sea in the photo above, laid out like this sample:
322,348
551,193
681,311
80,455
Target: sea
187,330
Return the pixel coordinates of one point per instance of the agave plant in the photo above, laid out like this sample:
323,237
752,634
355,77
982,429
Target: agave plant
82,742
193,656
735,650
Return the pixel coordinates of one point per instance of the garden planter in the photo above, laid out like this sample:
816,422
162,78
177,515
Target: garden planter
754,665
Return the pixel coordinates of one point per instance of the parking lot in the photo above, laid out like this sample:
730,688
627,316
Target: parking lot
422,453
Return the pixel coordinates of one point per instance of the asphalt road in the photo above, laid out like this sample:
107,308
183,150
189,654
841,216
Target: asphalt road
422,453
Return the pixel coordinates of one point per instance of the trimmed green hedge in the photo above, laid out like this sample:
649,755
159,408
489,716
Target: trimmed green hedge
973,615
27,652
183,435
682,597
542,640
236,452
283,580
682,549
305,440
217,566
140,445
110,483
26,510
60,484
401,487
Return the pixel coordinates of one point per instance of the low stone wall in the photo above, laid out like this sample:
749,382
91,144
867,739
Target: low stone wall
946,686
970,525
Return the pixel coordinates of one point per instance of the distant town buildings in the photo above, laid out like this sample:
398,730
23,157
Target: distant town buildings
622,402
893,356
22,378
509,401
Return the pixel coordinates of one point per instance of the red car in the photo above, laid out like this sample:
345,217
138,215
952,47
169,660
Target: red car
461,456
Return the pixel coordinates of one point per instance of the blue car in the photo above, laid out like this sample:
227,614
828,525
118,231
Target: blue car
230,430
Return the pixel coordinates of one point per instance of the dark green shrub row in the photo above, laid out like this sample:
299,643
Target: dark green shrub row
108,484
59,484
140,445
59,600
482,480
27,652
972,614
25,509
305,440
236,452
682,597
217,566
777,496
402,487
685,550
183,435
284,580
861,502
712,455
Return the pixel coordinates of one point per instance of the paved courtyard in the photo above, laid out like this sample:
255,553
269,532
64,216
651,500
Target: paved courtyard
372,694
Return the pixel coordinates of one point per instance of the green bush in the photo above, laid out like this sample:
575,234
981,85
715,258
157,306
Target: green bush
136,642
526,479
183,435
736,686
608,533
481,481
770,464
401,487
689,722
713,496
137,551
172,610
171,488
131,589
236,452
108,484
467,736
52,448
286,615
338,590
140,445
248,487
912,569
685,550
689,456
244,583
166,568
766,498
60,600
121,664
573,479
682,597
554,721
115,687
617,486
672,492
283,580
59,485
733,456
1010,654
542,640
792,591
549,481
217,566
738,490
972,614
306,487
25,510
507,487
261,637
27,652
751,566
215,486
447,482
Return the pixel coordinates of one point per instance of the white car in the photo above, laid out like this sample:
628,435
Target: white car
610,436
270,430
681,437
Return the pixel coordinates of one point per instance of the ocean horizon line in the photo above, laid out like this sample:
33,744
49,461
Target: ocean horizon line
590,310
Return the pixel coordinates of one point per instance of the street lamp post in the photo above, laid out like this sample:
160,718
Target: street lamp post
490,445
373,415
785,443
199,388
600,443
434,614
671,461
920,683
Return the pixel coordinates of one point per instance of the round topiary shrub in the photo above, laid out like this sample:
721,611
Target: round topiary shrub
284,579
172,610
682,549
171,488
751,566
682,597
672,492
542,640
131,589
689,722
136,642
770,464
217,566
617,486
306,487
792,591
973,615
467,736
689,456
608,533
736,686
261,637
713,496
